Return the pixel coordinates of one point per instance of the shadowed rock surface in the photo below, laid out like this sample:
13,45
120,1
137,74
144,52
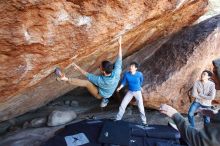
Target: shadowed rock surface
171,71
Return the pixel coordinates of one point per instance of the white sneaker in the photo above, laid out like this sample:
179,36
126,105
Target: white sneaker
104,102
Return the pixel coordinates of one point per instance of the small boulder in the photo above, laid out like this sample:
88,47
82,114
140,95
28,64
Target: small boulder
74,103
67,102
38,122
56,103
26,125
60,117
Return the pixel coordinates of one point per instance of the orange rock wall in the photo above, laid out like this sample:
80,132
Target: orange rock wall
37,36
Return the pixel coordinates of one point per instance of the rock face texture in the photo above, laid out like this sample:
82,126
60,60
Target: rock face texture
171,71
38,35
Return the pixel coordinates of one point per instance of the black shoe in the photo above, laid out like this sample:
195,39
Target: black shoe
144,124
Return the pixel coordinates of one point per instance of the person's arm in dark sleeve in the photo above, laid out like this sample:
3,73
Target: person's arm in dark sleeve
189,134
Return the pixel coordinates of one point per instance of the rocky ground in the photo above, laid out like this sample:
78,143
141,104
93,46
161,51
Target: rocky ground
21,131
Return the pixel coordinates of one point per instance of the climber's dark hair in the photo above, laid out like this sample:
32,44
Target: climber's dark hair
107,66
